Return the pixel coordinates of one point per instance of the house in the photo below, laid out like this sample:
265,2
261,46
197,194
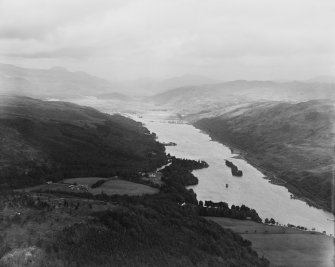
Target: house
152,175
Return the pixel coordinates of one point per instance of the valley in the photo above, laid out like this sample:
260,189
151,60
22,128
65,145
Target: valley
92,218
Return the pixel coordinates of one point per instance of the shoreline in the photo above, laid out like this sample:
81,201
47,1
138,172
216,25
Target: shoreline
237,152
268,175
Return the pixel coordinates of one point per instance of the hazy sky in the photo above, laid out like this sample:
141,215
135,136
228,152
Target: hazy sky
129,39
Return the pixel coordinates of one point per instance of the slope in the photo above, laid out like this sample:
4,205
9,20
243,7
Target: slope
294,141
42,140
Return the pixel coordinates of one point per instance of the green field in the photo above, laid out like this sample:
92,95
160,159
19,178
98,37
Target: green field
113,186
122,187
110,187
84,180
57,187
284,246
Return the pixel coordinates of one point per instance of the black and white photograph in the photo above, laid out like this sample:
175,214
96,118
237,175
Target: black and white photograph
167,133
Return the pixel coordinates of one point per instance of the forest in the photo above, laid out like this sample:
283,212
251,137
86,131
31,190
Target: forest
149,230
42,141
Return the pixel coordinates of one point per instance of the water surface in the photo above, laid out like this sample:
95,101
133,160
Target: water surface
269,200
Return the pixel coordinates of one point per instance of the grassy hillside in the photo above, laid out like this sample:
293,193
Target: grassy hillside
42,140
294,141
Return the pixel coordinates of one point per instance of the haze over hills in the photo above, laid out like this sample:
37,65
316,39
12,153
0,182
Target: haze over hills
323,79
192,99
56,82
150,86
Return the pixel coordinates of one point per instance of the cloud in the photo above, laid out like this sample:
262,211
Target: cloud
36,19
132,38
75,52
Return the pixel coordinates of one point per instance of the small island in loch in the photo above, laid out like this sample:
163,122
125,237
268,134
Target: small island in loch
234,170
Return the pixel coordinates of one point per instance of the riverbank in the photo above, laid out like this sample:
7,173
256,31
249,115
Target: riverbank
268,174
250,190
284,246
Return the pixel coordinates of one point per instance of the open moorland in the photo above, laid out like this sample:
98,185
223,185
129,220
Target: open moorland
284,246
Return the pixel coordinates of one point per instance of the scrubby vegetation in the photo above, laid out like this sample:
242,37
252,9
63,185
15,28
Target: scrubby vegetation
98,183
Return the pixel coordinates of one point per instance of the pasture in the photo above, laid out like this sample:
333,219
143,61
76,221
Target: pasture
122,187
284,246
112,186
84,180
56,187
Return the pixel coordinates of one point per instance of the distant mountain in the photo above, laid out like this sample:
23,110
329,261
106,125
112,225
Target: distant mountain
153,86
56,82
292,140
186,80
323,79
42,140
193,99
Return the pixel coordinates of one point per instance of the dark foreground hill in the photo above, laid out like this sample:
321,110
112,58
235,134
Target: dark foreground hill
294,141
43,140
146,231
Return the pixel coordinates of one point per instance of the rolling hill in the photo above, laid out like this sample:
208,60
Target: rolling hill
42,140
294,141
204,98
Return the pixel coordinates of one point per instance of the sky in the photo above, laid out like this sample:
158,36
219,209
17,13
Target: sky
132,39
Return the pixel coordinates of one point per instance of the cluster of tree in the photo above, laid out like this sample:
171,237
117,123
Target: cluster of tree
269,221
148,230
179,172
153,231
298,227
221,209
189,163
234,170
98,183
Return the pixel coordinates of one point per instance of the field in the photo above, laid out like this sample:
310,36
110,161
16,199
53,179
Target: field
284,246
110,187
57,187
122,187
84,181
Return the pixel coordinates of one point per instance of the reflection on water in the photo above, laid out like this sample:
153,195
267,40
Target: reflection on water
269,200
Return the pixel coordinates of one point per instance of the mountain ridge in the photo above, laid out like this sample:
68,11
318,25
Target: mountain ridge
56,82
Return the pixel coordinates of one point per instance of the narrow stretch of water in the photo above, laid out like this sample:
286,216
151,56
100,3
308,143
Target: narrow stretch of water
252,190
